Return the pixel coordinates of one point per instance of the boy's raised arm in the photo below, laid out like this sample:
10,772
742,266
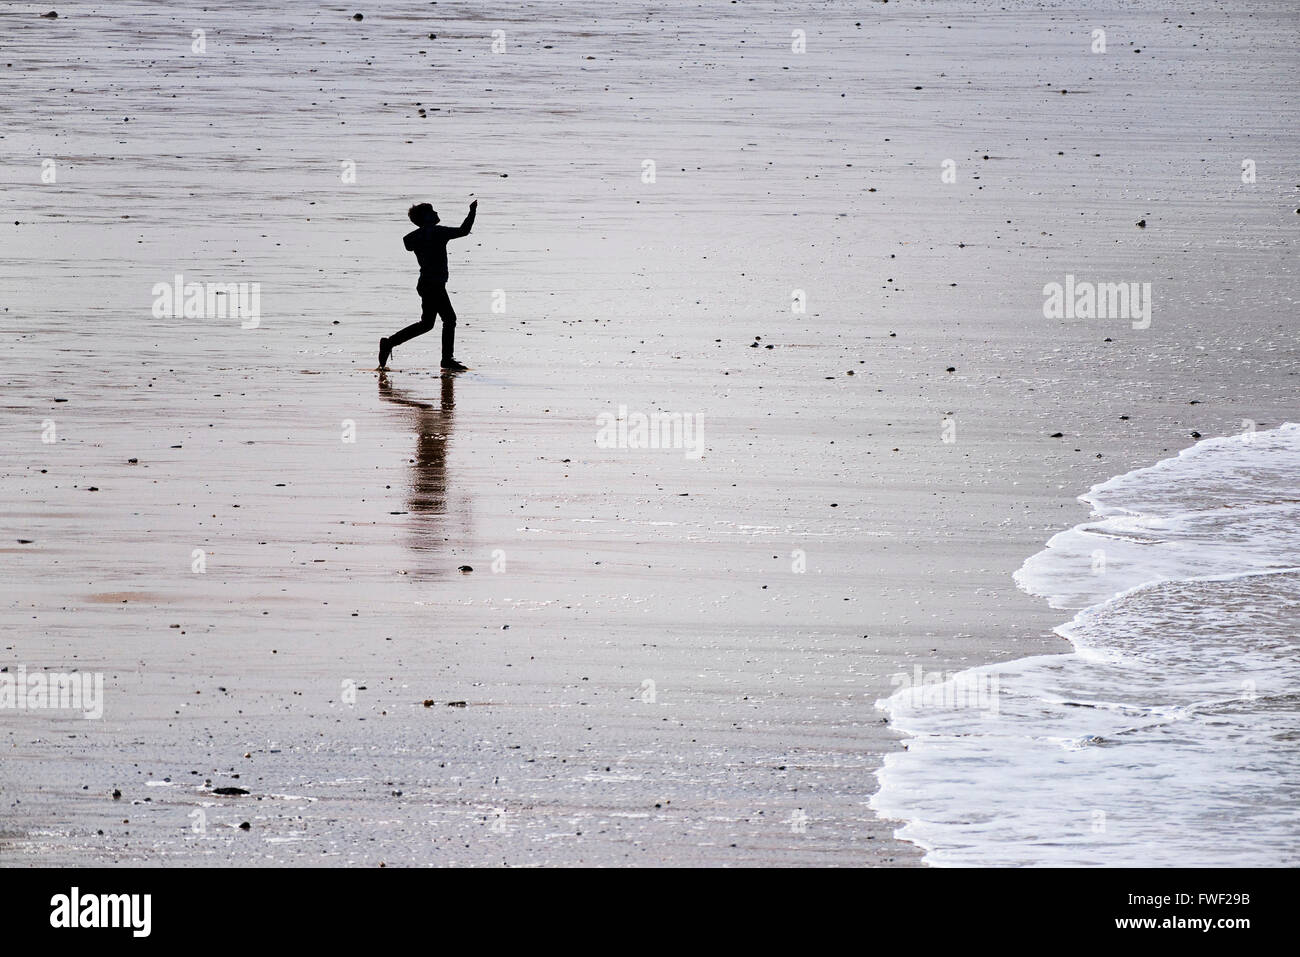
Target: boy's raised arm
468,224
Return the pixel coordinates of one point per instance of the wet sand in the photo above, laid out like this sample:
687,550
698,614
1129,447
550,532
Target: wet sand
332,566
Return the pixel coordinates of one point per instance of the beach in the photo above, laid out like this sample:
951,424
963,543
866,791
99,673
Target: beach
657,656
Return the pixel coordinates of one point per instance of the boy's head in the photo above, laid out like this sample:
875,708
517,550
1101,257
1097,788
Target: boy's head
422,214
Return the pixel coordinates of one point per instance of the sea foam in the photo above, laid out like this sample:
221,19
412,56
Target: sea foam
1168,736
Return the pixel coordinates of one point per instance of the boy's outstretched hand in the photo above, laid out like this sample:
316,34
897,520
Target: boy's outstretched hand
474,205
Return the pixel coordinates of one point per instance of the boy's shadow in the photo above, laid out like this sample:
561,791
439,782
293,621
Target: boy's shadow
427,501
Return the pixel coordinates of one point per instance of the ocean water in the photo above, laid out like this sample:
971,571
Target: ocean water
1168,736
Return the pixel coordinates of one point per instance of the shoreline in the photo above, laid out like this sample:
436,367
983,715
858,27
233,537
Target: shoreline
1178,629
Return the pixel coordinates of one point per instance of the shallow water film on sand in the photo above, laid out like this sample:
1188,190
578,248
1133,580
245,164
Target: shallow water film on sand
791,332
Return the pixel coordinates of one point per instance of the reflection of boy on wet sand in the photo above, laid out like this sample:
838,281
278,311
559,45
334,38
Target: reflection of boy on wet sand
429,243
432,429
439,518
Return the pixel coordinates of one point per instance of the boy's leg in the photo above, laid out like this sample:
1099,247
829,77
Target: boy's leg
429,303
448,315
410,332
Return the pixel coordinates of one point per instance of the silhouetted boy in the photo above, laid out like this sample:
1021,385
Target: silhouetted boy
429,243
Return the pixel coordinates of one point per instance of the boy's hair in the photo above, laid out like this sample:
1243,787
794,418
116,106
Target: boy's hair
420,213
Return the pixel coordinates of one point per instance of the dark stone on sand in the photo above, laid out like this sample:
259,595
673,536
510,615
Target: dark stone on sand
1142,224
457,704
951,369
357,16
229,792
465,568
117,795
428,702
52,15
1057,435
1196,435
245,826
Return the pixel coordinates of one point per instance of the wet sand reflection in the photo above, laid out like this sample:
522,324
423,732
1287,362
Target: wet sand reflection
439,520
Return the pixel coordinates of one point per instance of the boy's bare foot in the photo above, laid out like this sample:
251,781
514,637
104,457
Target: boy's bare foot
451,365
385,350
